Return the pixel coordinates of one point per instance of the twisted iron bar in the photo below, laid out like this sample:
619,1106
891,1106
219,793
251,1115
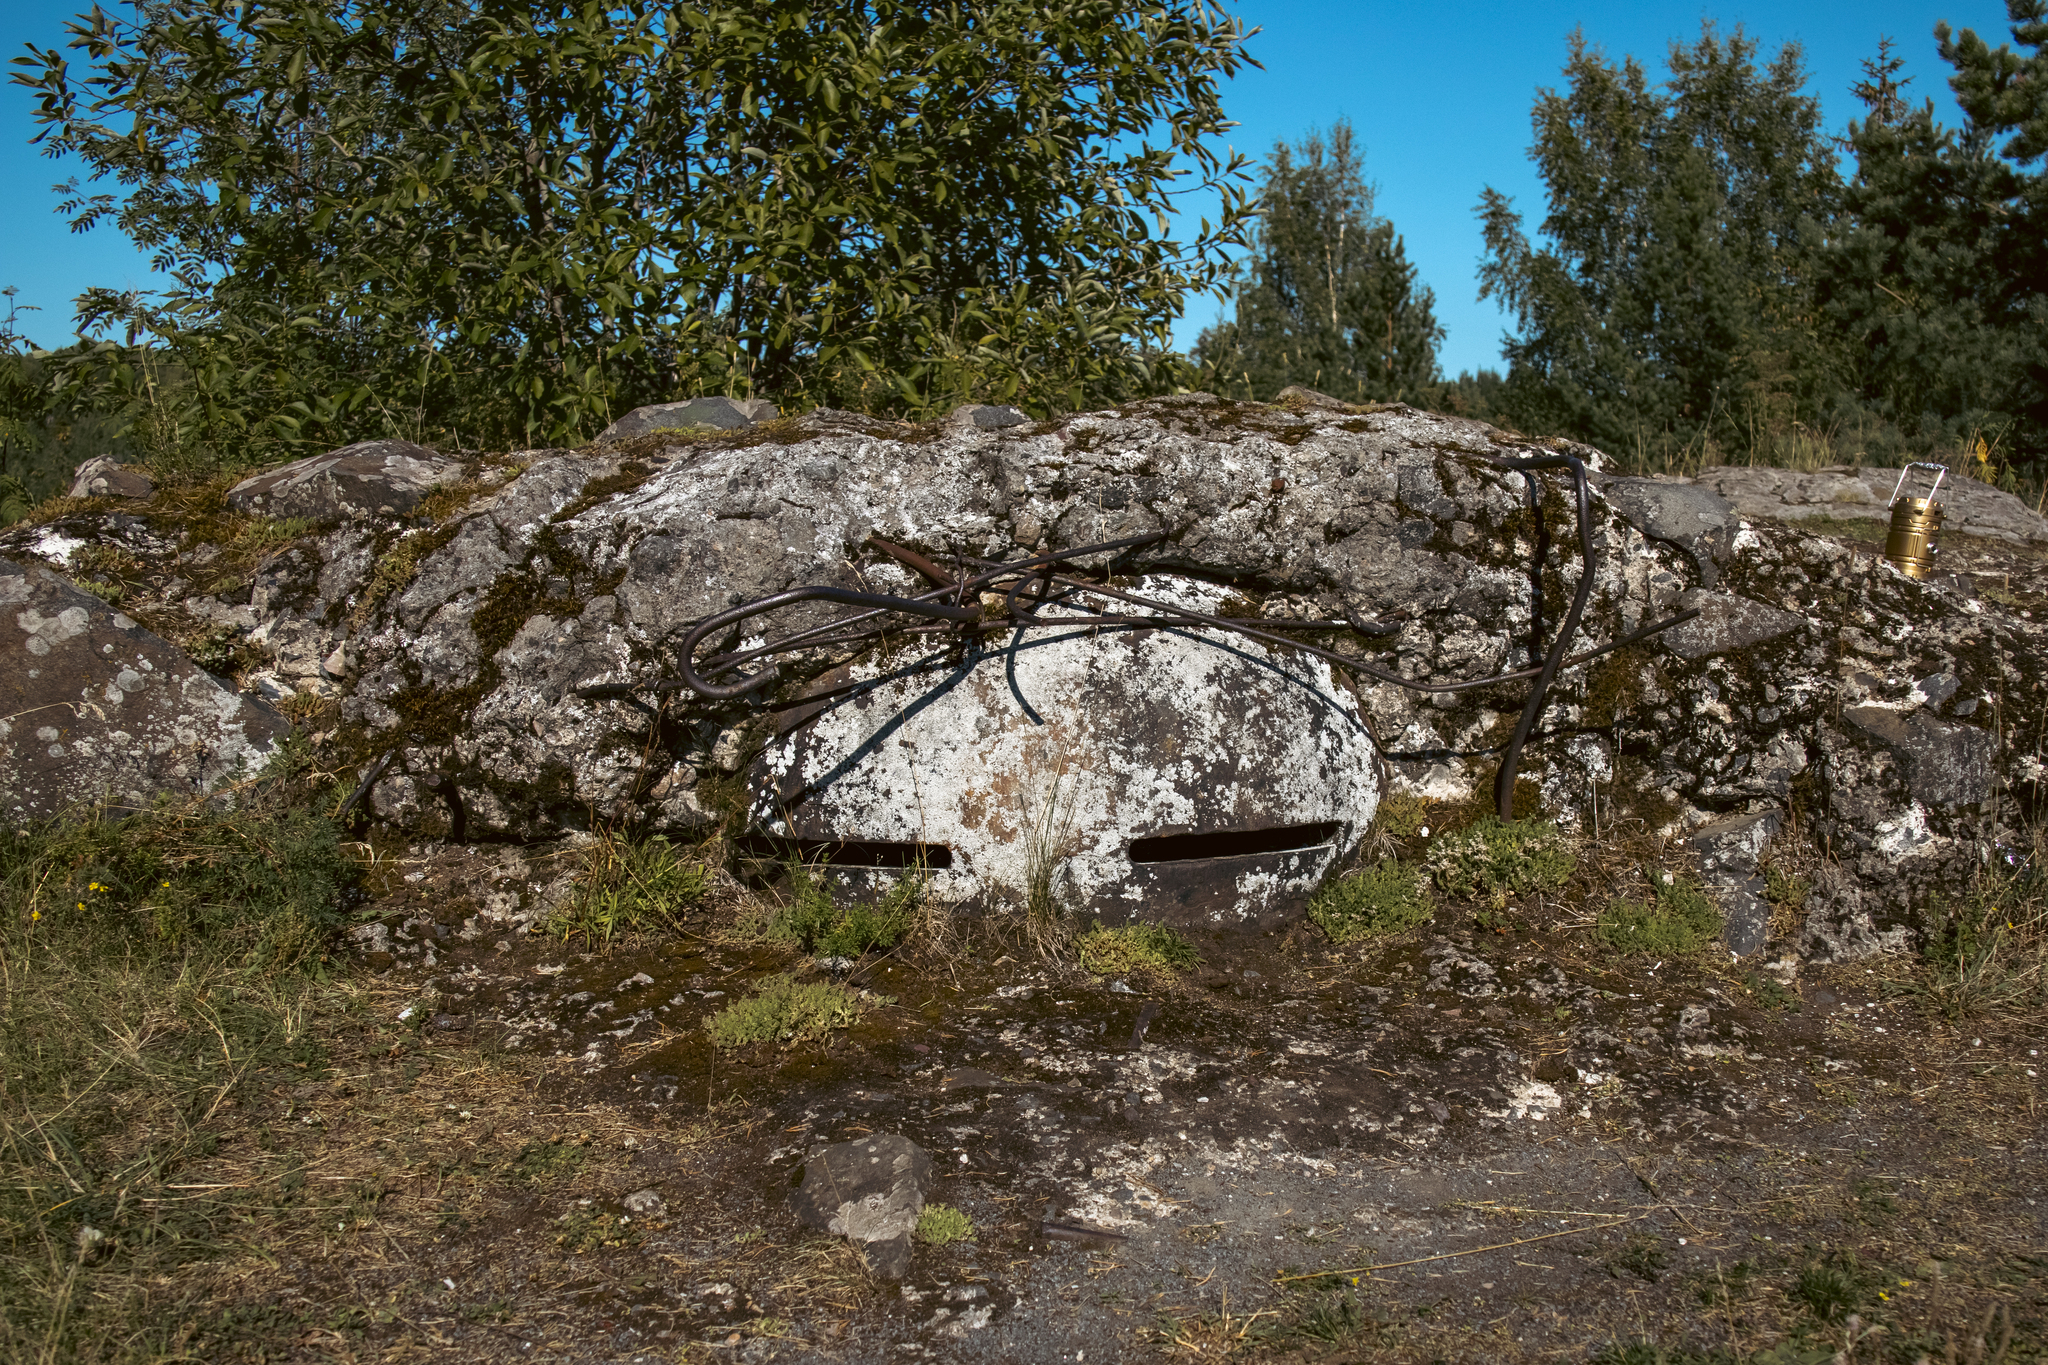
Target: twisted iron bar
954,602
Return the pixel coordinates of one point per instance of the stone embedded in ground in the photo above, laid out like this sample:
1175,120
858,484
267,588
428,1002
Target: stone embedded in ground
105,477
355,483
99,710
869,1192
1730,851
725,414
1947,763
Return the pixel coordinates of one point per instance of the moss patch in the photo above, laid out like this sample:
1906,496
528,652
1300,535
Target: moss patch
939,1224
1680,920
1372,902
1152,951
781,1010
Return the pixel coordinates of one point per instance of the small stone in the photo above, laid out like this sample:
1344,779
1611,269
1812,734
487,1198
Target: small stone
869,1192
644,1204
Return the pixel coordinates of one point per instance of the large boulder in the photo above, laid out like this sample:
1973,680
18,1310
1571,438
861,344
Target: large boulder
357,482
529,663
100,711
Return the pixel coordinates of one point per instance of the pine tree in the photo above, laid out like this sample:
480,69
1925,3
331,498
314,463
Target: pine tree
1326,296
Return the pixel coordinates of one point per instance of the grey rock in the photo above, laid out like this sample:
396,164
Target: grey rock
1696,519
725,414
97,709
1729,852
1301,396
357,482
531,658
645,1204
1726,624
1947,763
869,1192
985,417
105,477
1841,492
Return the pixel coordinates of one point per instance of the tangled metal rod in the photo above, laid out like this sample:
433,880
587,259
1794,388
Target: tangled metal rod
955,606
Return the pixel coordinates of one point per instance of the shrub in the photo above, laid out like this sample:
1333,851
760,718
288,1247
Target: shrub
1682,920
1497,859
1384,899
1146,950
939,1224
782,1010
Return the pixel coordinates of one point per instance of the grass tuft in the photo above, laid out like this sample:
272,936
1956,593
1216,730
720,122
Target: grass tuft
1372,902
1495,859
631,886
810,918
1681,920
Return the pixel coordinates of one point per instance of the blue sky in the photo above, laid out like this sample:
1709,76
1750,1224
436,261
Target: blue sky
1439,94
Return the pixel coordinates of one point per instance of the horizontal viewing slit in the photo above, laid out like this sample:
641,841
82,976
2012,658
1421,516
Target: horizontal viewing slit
1236,843
848,852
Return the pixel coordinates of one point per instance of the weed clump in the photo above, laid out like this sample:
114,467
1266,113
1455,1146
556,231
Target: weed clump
1681,920
811,920
634,886
1496,859
939,1224
1988,953
1144,950
781,1010
1374,901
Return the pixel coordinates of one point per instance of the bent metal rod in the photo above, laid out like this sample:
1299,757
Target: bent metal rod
955,606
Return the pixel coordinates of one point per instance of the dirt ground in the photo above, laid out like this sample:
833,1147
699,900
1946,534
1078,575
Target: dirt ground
1458,1145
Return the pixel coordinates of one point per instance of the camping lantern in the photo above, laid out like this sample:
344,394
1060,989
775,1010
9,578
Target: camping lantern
1910,544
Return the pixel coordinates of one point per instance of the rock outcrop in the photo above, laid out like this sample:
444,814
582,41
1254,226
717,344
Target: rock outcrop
105,477
519,659
365,480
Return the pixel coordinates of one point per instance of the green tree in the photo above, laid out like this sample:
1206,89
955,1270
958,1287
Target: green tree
496,221
1325,296
1937,281
1671,300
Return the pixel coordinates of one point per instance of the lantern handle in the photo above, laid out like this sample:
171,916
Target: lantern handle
1919,464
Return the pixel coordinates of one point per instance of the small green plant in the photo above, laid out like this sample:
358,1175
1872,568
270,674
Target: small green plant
1832,1288
1145,950
632,886
1401,816
810,919
939,1224
1496,859
1783,888
1769,993
586,1230
1681,920
1374,901
781,1010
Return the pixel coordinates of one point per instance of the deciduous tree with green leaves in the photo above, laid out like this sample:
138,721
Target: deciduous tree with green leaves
1326,296
1670,299
495,221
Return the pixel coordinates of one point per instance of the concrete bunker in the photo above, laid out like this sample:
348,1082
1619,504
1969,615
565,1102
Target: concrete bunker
1175,773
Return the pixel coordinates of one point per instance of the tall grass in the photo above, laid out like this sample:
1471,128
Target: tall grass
152,969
